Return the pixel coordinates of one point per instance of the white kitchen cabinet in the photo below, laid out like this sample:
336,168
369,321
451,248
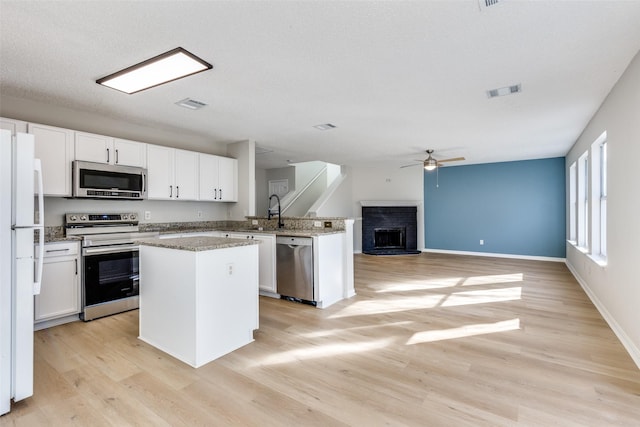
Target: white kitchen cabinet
107,150
59,297
54,147
13,125
267,259
186,176
218,178
172,174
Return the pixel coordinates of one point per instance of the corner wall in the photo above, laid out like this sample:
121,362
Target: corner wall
615,288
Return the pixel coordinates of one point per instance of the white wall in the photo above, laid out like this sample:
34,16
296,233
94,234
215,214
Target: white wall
615,288
339,202
386,184
245,152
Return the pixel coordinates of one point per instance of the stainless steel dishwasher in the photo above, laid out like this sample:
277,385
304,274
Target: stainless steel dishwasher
294,268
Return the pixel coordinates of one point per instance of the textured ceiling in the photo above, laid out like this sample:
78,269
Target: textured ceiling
396,78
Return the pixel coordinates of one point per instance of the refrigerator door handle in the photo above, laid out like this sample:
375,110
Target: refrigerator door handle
37,166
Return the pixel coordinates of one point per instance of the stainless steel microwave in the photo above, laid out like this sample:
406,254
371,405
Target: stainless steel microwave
100,181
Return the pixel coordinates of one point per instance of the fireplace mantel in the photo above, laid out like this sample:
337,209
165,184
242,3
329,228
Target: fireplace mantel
390,202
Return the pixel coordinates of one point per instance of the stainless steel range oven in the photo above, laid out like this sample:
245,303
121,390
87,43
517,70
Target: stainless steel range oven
109,261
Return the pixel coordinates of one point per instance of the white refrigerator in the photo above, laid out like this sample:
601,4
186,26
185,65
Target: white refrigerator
21,214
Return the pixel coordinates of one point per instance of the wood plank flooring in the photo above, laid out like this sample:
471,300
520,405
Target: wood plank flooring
430,340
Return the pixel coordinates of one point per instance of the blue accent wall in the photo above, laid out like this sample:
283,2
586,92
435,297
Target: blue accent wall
517,208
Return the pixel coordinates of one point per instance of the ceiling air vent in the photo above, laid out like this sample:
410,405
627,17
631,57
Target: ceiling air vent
488,3
502,91
325,126
191,104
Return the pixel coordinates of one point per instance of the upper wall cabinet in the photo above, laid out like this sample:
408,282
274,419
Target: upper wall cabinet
13,125
54,147
113,151
218,177
172,173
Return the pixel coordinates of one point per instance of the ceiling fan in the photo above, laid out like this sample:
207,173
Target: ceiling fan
430,163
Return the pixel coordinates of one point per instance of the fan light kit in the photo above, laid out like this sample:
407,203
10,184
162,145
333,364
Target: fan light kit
169,66
430,163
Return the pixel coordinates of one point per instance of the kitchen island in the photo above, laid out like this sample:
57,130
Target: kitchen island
198,296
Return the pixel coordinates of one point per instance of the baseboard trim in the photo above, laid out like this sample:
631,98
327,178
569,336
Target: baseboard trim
495,255
627,343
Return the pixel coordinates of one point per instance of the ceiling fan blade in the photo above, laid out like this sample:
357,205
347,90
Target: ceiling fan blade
408,166
454,159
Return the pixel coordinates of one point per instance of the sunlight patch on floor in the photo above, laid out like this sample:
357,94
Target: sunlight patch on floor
331,332
390,305
418,285
420,302
491,279
483,296
319,351
464,331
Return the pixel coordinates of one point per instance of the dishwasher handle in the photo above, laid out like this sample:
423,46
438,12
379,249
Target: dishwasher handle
293,241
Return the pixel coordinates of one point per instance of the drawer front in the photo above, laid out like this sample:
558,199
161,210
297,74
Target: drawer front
60,249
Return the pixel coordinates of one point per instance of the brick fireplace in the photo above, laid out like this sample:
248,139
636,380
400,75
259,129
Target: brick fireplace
389,230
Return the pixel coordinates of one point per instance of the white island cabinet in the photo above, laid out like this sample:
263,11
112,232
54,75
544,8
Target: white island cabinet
198,296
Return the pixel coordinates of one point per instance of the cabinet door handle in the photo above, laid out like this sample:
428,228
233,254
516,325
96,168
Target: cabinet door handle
107,155
215,194
177,191
76,260
116,157
221,194
57,250
171,191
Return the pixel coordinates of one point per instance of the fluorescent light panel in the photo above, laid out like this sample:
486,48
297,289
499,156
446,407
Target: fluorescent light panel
169,66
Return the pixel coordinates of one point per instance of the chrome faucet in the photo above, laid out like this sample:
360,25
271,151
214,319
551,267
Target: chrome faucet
280,223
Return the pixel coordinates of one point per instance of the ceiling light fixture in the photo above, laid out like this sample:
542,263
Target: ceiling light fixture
164,68
502,91
325,126
430,163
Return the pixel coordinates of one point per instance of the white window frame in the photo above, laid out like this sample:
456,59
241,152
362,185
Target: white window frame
583,202
573,200
599,199
603,197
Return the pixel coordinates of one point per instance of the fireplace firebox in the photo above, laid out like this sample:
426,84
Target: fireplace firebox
389,230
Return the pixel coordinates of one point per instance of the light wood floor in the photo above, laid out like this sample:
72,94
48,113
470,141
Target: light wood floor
430,340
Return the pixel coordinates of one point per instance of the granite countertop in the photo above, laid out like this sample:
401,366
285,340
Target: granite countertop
196,243
285,232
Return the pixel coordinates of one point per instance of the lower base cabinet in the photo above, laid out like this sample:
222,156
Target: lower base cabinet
267,259
59,296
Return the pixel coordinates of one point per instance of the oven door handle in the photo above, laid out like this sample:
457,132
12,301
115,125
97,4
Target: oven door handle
110,249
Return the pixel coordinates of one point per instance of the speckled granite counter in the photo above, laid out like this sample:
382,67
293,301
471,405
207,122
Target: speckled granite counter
196,243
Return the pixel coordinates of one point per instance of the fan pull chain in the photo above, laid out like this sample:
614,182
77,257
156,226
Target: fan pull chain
437,176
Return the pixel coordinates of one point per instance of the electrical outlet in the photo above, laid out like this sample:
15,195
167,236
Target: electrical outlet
229,269
481,242
328,224
317,224
254,222
147,214
199,214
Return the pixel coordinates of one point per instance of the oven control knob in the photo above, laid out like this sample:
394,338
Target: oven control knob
73,218
83,218
132,216
125,216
